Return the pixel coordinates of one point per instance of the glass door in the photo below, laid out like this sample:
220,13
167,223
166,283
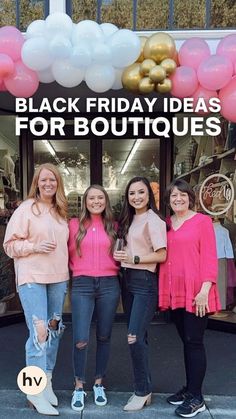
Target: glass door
124,159
73,160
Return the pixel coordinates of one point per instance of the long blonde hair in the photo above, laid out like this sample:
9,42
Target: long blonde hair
59,199
85,219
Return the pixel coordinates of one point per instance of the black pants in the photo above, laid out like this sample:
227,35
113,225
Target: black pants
139,296
191,331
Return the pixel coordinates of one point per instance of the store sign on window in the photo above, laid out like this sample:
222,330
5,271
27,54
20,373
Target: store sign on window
216,194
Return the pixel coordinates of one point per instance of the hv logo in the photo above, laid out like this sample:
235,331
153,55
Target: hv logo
32,380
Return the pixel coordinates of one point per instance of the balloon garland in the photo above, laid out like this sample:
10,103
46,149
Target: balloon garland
105,57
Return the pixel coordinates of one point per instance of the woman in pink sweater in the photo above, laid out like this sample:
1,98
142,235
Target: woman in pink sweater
95,287
187,285
36,238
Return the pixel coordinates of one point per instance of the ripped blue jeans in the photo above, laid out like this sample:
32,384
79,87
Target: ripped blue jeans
43,305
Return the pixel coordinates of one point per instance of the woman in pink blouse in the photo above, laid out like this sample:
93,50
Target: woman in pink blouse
187,285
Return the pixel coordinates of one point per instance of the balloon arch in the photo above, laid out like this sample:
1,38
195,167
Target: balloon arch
105,57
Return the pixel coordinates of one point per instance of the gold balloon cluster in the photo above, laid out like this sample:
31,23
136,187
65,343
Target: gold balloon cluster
156,62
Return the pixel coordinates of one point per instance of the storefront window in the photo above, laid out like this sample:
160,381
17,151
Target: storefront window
10,196
152,14
22,13
120,13
189,15
223,14
196,158
84,9
124,159
73,159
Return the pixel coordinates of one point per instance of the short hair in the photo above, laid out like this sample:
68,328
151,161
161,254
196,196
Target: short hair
183,186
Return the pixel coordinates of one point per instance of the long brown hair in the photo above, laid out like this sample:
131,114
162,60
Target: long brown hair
59,199
85,219
127,211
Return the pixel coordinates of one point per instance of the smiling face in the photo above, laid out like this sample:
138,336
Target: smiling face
47,184
179,201
138,197
95,201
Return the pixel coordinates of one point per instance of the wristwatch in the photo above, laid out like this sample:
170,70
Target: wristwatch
136,260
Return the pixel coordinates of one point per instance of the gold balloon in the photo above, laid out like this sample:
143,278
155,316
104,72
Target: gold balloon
143,40
131,77
157,74
169,65
146,66
159,46
164,87
146,85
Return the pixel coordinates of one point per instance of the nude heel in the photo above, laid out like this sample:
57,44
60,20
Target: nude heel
138,402
41,404
149,400
48,391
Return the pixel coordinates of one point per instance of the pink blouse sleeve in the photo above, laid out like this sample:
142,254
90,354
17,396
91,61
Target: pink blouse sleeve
16,241
157,232
208,255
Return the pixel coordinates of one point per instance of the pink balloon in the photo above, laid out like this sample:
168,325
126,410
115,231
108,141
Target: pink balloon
184,82
193,52
11,41
235,68
227,97
2,87
205,94
6,65
227,47
23,82
215,72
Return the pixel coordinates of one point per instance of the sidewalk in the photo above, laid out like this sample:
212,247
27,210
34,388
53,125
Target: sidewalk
166,363
14,406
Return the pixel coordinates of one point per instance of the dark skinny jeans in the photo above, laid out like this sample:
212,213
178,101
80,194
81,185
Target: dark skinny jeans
139,296
88,294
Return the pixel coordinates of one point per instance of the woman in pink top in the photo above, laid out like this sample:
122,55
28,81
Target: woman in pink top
144,234
36,238
95,287
187,285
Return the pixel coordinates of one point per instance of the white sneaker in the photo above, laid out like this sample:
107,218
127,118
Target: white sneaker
100,398
77,402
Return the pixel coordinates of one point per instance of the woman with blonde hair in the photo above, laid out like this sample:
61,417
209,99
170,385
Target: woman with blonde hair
95,287
36,238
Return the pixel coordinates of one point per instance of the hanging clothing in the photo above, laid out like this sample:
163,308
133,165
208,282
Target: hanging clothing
223,242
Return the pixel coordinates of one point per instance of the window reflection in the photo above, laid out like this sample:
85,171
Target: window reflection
10,196
73,160
124,159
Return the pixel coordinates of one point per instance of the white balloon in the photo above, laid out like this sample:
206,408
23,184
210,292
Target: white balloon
60,47
125,48
81,55
35,54
87,30
108,29
100,78
118,75
46,76
67,75
58,23
101,53
36,29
